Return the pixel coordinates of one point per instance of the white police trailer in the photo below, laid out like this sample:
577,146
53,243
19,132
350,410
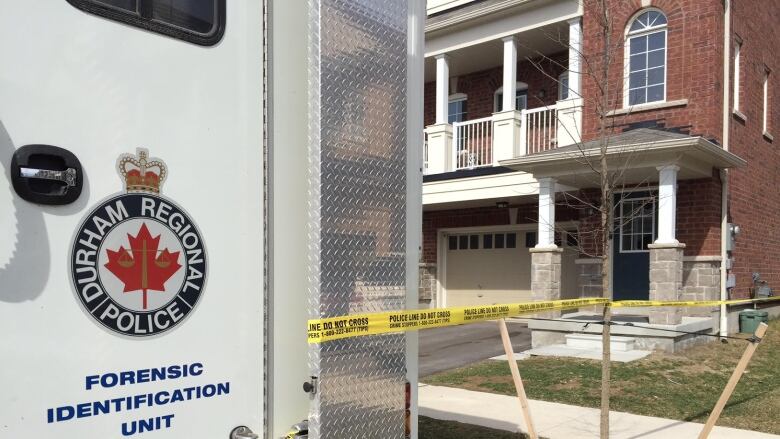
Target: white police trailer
185,183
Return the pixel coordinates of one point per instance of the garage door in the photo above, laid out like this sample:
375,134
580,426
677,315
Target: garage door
495,267
488,268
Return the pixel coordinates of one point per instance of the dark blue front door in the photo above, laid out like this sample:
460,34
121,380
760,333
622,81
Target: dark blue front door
635,219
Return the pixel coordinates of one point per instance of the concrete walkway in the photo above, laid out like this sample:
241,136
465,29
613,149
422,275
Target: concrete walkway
557,421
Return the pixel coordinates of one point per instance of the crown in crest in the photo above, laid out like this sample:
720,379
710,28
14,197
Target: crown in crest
142,173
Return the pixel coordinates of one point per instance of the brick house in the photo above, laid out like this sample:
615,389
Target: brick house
512,126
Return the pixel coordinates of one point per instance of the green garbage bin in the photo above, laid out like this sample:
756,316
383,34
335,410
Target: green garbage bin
750,318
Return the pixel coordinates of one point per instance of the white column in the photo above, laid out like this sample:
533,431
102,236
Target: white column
667,204
575,52
510,73
546,235
442,88
439,148
507,121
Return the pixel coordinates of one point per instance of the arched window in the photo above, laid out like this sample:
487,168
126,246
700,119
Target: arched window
521,97
645,59
458,109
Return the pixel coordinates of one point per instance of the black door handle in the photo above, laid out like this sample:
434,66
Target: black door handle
46,174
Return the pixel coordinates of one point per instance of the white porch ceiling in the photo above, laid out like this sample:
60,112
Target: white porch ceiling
544,40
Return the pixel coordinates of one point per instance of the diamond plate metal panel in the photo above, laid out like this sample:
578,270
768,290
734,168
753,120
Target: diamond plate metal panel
357,205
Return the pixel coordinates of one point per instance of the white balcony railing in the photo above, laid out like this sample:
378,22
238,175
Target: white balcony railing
486,141
539,130
472,142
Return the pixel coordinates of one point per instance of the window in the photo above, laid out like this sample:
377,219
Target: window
521,97
197,21
463,242
636,223
530,239
646,59
474,242
766,101
563,86
737,82
511,240
487,241
457,110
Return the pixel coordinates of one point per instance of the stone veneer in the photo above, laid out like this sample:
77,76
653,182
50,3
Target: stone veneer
701,281
427,279
546,277
589,277
666,281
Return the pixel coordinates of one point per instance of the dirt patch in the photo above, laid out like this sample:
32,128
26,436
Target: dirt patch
568,385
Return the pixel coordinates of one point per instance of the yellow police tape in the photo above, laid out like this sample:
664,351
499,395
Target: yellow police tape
335,328
687,303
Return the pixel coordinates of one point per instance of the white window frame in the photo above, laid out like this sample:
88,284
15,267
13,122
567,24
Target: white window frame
457,97
627,56
649,199
737,79
765,93
561,87
519,86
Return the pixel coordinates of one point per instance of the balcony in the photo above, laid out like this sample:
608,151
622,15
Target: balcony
485,141
503,79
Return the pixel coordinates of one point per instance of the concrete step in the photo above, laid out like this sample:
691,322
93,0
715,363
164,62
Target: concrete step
589,341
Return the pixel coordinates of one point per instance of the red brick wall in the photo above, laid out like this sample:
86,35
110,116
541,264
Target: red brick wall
698,216
589,231
694,72
478,217
694,60
480,87
754,197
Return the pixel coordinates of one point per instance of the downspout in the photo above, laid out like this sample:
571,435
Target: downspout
724,174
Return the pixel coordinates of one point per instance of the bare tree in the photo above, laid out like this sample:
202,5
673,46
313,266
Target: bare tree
606,166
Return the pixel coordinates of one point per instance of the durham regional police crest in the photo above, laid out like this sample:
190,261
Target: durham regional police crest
138,262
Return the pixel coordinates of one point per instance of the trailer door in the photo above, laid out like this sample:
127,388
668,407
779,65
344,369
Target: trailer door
131,220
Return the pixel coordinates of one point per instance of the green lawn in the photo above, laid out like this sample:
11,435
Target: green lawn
682,386
436,429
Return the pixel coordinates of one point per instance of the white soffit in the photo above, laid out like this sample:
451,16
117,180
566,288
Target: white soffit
474,191
469,59
482,26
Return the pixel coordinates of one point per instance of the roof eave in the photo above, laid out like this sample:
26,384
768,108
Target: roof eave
719,157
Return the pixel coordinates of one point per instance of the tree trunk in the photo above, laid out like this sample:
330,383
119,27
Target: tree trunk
606,213
605,372
606,228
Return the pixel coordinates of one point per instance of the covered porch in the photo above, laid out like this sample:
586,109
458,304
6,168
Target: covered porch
648,256
531,107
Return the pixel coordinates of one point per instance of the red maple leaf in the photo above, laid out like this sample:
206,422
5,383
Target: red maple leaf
146,268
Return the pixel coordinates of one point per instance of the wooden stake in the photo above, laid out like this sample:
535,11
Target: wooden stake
510,356
724,397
